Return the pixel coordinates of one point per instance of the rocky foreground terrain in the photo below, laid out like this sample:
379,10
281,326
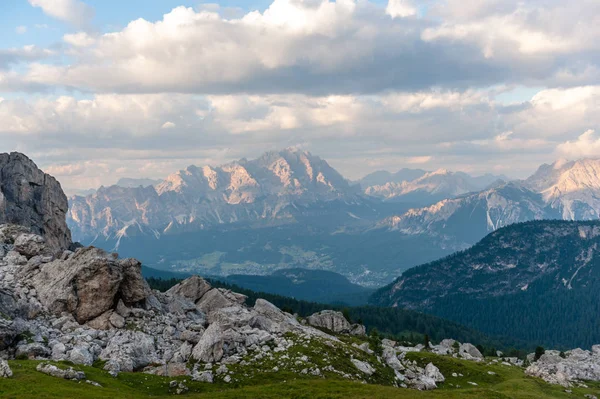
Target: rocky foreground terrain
69,306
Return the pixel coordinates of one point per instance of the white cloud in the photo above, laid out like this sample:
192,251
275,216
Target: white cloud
419,160
22,29
79,39
586,145
168,125
326,47
400,8
75,12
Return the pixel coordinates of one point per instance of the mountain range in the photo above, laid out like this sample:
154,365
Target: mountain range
291,209
563,190
430,186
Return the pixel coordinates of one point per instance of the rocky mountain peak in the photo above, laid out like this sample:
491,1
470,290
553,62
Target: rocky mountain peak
33,199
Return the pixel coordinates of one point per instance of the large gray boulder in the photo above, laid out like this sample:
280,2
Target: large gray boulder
5,371
88,284
218,298
210,347
335,322
331,320
192,288
469,352
33,199
130,350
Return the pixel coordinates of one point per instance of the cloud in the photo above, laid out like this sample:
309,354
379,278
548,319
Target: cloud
74,12
66,170
419,160
80,39
400,8
586,145
23,54
323,47
356,133
22,29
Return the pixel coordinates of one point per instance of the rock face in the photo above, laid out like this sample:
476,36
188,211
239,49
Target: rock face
33,199
336,322
87,284
577,365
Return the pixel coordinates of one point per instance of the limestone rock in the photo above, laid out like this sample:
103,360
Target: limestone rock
469,352
218,298
68,374
434,373
204,376
132,350
5,371
210,346
33,199
577,364
192,288
133,287
331,320
81,356
30,245
87,284
363,366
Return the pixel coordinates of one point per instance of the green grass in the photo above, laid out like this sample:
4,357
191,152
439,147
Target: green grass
507,382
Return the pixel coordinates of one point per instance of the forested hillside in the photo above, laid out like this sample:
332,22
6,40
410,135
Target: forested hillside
535,281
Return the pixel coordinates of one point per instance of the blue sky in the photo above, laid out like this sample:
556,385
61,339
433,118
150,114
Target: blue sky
481,86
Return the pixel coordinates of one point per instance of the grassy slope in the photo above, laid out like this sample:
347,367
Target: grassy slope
507,382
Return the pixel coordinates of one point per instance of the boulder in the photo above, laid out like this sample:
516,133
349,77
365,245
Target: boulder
434,373
218,298
30,245
134,287
5,371
469,352
210,347
423,383
192,288
363,366
88,284
33,199
331,320
80,355
131,350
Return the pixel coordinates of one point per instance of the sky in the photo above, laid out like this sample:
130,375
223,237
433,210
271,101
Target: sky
96,90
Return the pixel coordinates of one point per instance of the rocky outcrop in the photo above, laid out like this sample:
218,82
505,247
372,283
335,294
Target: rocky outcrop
33,199
575,365
67,374
335,322
87,284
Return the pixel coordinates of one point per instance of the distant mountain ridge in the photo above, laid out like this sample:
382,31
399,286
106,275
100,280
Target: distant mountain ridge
562,190
423,188
259,190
